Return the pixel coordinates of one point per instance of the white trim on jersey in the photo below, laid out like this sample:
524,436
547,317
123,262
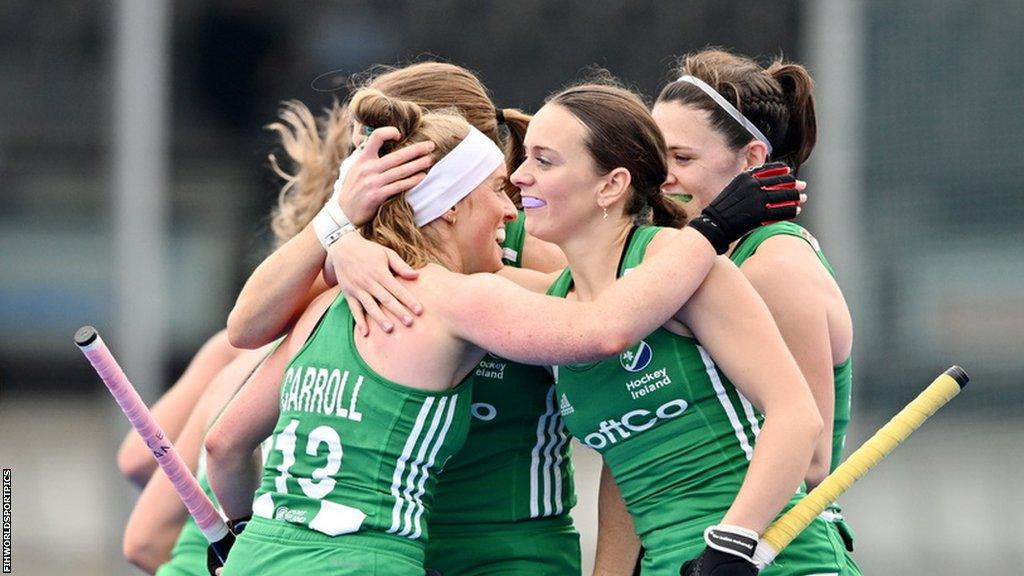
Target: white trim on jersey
407,514
417,467
723,399
748,409
264,506
549,461
421,489
335,519
551,438
396,479
559,458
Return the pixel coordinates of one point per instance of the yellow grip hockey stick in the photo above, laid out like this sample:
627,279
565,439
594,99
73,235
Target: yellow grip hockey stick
787,527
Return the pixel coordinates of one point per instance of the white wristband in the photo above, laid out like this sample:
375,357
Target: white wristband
333,205
327,229
337,214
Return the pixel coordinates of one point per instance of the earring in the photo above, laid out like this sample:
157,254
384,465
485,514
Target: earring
605,208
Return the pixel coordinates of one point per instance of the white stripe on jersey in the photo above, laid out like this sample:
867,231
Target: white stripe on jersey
535,462
550,439
748,409
559,457
396,479
417,466
723,399
430,464
549,459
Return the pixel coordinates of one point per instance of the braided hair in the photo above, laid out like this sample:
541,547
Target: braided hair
779,100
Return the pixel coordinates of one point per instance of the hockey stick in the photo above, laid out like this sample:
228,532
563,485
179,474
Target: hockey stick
199,505
790,524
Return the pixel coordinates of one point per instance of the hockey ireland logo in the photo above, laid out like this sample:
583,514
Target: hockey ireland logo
637,357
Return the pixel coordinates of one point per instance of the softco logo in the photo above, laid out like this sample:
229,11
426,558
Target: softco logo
611,431
637,357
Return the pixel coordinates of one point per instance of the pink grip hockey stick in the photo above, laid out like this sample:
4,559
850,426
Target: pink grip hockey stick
199,505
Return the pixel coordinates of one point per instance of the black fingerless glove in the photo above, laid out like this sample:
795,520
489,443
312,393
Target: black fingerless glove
217,552
729,552
765,194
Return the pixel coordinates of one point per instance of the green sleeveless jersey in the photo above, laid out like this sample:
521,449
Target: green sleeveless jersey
515,238
352,450
842,375
515,464
674,431
188,557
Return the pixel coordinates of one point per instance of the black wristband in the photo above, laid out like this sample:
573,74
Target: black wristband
712,231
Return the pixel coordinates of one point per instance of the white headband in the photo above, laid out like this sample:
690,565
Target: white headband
729,109
453,177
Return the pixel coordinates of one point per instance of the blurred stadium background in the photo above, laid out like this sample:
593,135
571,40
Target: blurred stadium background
135,192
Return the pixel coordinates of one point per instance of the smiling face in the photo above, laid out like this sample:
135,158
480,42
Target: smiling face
700,162
479,227
558,179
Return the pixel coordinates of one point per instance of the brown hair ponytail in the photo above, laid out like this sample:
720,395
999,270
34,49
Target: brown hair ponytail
439,85
779,100
317,146
667,212
802,128
372,108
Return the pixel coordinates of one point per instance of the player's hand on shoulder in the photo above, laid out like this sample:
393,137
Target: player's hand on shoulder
769,193
368,275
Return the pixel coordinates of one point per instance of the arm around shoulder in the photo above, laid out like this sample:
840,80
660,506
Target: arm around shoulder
500,317
497,315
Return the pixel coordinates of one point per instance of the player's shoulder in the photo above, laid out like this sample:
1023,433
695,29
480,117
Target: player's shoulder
786,252
439,285
785,264
660,237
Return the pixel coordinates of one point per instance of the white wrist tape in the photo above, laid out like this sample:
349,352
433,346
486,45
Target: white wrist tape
331,223
334,205
735,540
327,229
764,554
